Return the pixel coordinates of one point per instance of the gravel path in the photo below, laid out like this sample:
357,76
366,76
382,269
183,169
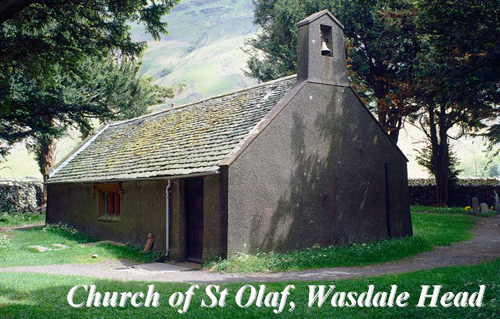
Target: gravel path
484,247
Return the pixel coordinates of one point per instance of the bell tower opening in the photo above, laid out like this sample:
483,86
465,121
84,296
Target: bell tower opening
326,40
321,55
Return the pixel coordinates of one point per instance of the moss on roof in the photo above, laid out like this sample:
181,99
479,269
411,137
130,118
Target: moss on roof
179,141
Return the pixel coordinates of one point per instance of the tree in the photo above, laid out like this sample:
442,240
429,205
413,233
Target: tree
494,170
457,82
426,159
99,91
48,38
493,137
381,47
8,8
69,64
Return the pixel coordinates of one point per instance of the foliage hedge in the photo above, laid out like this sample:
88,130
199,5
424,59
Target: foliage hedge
472,182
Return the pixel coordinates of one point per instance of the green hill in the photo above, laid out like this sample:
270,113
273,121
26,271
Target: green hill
203,48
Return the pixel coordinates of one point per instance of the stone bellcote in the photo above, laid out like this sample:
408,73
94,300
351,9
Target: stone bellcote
320,50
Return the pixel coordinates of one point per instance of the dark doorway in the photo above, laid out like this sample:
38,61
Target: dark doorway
194,219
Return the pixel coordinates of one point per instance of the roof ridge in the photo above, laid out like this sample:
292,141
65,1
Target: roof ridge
201,101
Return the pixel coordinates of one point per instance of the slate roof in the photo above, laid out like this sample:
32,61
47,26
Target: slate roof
318,15
183,140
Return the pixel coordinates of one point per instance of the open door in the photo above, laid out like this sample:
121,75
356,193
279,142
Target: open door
194,219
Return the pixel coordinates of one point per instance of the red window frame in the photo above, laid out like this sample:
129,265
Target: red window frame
112,203
109,195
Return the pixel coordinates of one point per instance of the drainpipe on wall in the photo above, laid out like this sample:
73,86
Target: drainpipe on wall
167,220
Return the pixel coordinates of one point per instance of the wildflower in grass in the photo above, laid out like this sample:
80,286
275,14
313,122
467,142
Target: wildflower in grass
5,243
59,227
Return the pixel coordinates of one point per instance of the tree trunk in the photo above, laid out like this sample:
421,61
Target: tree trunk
394,134
382,116
47,160
386,121
440,155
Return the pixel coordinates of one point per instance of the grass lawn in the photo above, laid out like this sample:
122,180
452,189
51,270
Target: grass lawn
447,210
21,219
17,252
44,296
430,230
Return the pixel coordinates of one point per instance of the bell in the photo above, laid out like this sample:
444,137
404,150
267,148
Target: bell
324,48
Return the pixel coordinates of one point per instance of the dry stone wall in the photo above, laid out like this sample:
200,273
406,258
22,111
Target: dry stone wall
20,195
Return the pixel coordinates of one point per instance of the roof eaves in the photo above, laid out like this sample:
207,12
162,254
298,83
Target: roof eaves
211,172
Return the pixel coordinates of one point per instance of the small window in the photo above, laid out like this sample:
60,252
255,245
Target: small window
112,203
109,198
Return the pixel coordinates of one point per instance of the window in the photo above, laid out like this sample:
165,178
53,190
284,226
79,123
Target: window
112,203
109,199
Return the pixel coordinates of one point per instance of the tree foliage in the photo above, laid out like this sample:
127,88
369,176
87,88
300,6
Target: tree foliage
66,32
381,48
72,64
47,43
55,64
457,82
100,91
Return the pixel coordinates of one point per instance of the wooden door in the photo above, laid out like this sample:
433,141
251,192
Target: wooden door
194,219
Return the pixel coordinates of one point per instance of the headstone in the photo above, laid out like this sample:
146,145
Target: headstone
484,208
475,204
497,203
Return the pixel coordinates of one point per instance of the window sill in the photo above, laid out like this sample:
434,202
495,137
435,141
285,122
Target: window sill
110,218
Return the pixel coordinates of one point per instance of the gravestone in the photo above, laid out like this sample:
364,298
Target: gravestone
484,208
497,203
475,204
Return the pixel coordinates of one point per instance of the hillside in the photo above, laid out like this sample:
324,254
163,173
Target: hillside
203,48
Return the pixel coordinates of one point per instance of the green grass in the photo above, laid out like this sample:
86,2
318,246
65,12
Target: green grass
447,210
21,219
44,296
15,251
430,230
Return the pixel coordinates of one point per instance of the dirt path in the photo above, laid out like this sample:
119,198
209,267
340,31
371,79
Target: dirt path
484,247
